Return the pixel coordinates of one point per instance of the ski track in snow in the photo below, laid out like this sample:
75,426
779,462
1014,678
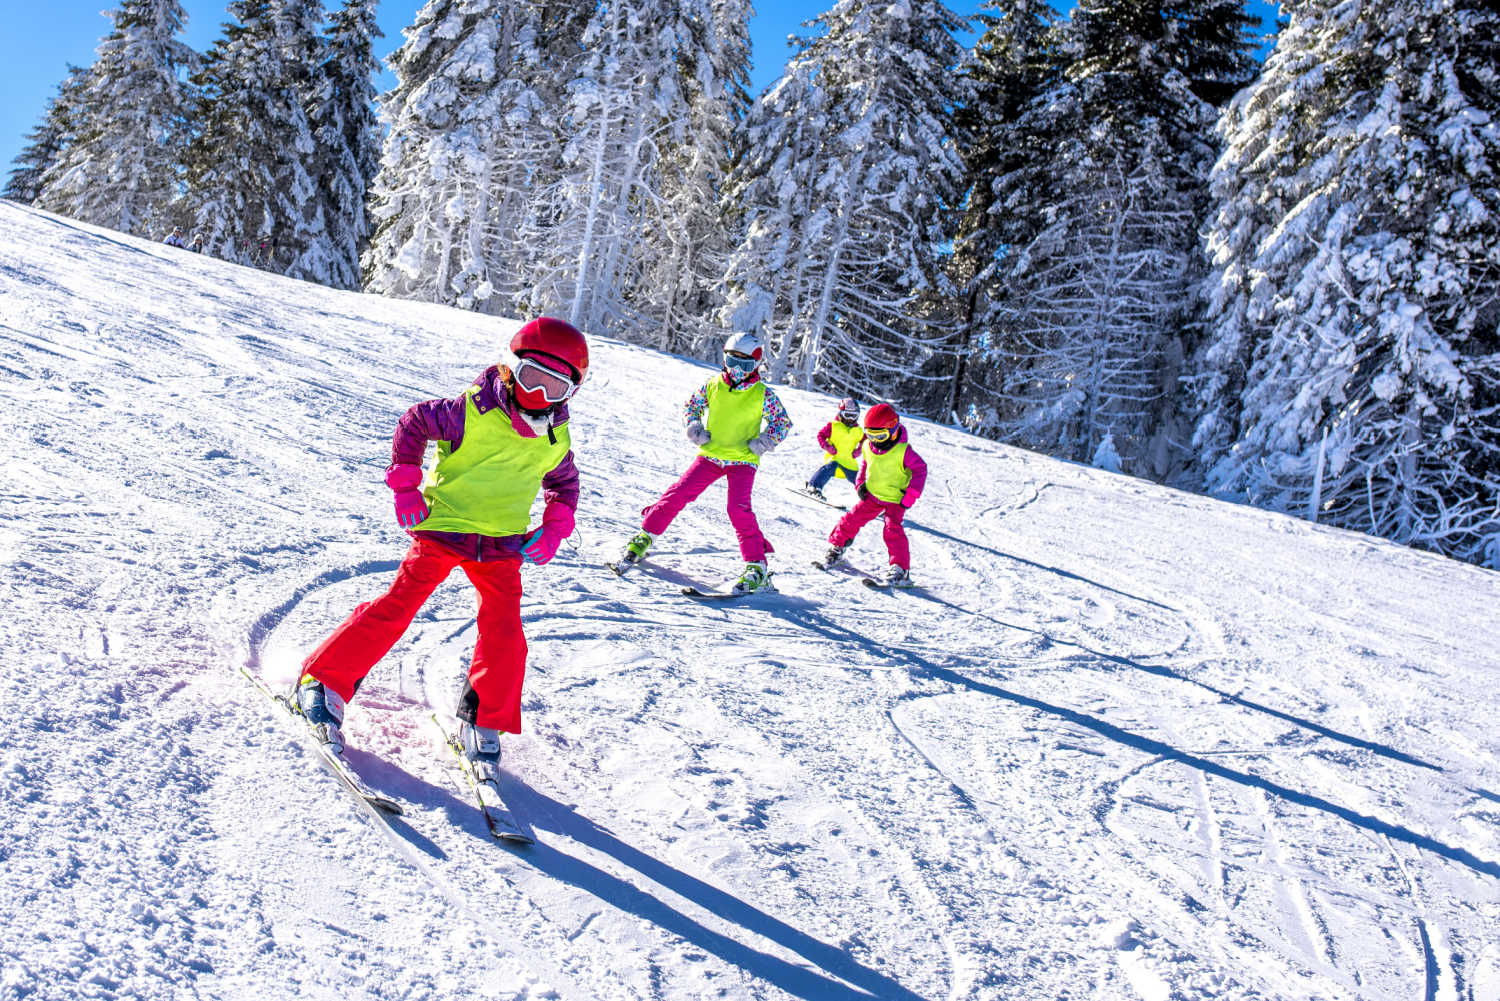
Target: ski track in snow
1121,742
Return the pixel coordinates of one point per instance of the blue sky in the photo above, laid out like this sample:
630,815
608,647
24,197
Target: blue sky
42,38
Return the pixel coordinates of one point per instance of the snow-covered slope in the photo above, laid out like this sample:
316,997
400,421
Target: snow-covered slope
1126,743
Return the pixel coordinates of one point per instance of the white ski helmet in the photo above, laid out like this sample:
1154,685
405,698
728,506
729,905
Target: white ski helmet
745,343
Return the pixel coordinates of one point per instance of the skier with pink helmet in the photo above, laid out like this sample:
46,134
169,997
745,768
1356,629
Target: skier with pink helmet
499,443
891,478
734,419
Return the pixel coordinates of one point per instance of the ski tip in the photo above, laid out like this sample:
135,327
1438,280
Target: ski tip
515,838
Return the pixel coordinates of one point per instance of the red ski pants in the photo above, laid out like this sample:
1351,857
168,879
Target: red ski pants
699,474
867,510
492,697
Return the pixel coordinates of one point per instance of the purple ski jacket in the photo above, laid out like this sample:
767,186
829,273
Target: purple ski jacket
443,420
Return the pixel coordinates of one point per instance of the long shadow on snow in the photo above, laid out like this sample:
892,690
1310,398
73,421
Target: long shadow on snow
1384,750
809,618
631,899
1039,566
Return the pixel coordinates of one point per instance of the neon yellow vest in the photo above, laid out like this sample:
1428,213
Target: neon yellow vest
734,417
844,438
886,475
487,486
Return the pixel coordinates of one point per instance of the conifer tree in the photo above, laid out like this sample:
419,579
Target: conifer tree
303,246
619,218
850,168
680,289
254,159
472,135
1352,373
129,128
347,136
1010,64
46,143
1099,225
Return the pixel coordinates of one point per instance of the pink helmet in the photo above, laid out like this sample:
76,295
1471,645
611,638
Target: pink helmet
554,338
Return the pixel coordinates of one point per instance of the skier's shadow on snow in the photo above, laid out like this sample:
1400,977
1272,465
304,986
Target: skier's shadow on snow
1384,750
1068,574
809,618
842,970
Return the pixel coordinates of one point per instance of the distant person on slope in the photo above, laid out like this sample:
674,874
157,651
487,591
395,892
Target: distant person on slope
891,477
174,238
197,245
735,418
840,439
499,444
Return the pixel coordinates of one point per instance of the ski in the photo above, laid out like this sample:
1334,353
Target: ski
803,492
880,585
619,567
693,592
500,818
698,592
335,761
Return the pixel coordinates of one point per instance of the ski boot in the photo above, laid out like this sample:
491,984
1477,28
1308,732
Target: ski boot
831,558
813,491
635,551
481,745
755,578
897,576
322,708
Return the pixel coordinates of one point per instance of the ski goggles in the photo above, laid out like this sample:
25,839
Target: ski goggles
880,434
539,380
739,362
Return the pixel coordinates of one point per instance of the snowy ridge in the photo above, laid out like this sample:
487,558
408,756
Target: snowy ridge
1126,743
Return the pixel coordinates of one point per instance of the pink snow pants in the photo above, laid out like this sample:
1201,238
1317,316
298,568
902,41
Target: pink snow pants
867,510
700,473
492,697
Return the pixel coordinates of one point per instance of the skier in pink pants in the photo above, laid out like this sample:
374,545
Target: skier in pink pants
734,419
891,477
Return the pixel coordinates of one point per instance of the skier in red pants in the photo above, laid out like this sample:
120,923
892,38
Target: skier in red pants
499,444
891,477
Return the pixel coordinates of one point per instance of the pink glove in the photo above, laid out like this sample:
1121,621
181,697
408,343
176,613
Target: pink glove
411,507
541,545
909,498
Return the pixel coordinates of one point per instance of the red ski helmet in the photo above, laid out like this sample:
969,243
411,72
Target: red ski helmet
553,338
881,415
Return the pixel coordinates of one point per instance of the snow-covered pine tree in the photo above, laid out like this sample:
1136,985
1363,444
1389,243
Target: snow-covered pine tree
253,161
771,194
612,220
1010,64
302,245
867,189
228,185
123,166
1353,372
46,142
472,132
680,291
347,136
1100,226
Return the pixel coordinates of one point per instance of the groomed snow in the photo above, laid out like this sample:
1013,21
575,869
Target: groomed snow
1125,742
